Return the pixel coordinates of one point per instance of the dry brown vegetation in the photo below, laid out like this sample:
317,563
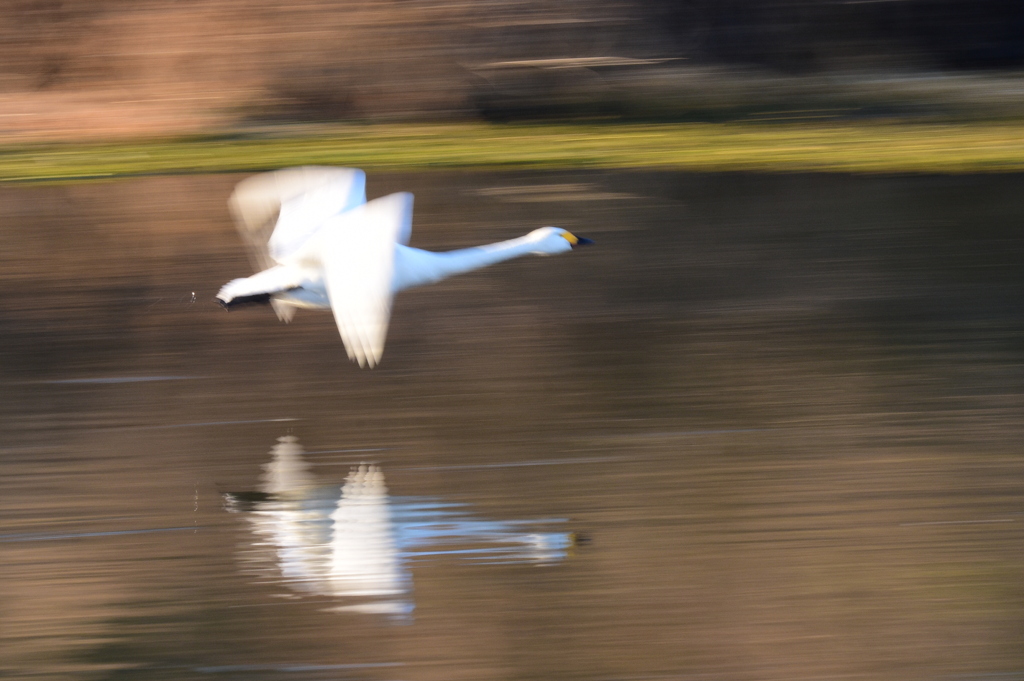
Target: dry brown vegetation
113,68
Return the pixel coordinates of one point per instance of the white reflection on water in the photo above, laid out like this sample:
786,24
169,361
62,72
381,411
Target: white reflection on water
359,546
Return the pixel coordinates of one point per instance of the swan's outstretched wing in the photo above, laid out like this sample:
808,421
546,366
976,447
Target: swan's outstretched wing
357,252
342,189
277,279
275,212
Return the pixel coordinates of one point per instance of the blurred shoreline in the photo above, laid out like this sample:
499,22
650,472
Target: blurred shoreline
216,86
866,146
534,91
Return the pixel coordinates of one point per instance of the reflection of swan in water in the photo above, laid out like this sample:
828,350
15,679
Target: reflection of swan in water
360,545
365,558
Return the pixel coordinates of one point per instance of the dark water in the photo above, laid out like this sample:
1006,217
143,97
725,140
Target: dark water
768,428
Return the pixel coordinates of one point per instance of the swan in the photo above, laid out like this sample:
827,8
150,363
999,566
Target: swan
331,248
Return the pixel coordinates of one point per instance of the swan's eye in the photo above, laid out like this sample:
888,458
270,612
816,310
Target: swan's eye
570,237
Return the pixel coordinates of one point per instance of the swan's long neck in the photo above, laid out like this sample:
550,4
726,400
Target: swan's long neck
414,267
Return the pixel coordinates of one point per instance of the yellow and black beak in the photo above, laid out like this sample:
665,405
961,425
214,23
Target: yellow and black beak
576,240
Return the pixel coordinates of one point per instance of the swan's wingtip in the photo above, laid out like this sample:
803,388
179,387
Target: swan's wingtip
368,360
231,302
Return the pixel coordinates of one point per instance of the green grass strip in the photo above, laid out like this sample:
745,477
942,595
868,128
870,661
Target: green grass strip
847,147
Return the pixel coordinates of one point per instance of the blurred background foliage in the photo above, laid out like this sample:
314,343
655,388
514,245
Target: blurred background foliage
111,67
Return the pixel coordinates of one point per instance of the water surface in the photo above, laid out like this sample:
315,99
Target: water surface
767,428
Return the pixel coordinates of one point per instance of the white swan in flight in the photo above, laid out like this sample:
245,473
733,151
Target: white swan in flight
330,248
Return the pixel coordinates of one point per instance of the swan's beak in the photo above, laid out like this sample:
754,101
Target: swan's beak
576,240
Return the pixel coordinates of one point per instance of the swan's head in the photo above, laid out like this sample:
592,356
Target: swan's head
552,240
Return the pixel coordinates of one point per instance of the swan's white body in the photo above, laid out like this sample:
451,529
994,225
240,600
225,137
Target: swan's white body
330,248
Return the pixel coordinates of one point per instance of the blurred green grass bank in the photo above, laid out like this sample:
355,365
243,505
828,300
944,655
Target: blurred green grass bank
771,147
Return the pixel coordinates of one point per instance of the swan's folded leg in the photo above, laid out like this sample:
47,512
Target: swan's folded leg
259,287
